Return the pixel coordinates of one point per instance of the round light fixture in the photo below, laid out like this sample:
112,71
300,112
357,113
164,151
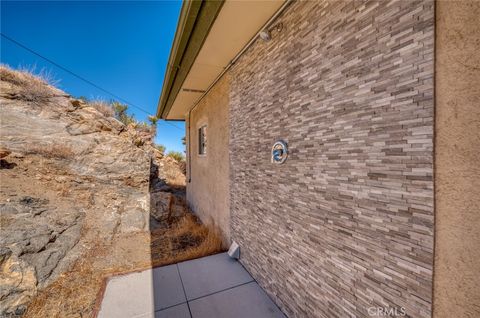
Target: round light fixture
265,35
279,152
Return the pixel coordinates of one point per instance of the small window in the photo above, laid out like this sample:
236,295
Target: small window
202,140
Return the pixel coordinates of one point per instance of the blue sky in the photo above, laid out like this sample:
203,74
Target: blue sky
121,46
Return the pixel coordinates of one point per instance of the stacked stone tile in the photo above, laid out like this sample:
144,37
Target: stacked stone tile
346,223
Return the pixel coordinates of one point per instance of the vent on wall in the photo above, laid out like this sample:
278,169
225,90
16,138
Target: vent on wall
192,90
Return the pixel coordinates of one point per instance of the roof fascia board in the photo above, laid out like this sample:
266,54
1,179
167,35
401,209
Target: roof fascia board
185,24
195,23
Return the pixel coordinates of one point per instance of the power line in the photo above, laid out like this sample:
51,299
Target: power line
79,77
72,73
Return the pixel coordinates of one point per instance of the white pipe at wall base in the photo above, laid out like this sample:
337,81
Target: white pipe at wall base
234,251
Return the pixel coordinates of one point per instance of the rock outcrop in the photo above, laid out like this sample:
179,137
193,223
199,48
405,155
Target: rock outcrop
19,283
71,178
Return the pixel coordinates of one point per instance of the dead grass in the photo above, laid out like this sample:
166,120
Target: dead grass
207,236
186,239
54,151
103,107
31,87
74,294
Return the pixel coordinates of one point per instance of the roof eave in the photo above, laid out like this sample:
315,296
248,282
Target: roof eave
195,21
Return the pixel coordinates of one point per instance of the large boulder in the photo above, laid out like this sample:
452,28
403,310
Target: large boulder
161,204
39,233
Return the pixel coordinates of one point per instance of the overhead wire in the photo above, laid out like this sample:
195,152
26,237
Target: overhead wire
23,46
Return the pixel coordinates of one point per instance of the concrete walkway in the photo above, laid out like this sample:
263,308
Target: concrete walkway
208,287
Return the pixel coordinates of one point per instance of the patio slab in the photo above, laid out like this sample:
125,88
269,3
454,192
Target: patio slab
128,296
167,287
248,300
211,274
142,293
209,287
179,311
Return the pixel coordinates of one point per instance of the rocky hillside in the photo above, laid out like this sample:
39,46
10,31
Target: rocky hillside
74,187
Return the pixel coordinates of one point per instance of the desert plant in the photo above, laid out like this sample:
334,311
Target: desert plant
153,124
138,142
120,111
153,120
160,148
184,142
177,155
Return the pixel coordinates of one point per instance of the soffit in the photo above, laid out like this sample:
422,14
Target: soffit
236,24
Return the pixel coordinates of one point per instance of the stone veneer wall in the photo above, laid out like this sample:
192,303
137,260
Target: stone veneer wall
347,222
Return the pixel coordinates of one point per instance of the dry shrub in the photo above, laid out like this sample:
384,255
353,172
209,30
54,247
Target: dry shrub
186,239
142,127
139,142
32,87
103,107
74,293
176,155
51,151
205,239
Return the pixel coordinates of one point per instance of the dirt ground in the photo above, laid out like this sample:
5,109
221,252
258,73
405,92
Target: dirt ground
75,293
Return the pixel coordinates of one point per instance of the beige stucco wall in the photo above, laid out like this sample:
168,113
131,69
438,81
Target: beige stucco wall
457,160
208,189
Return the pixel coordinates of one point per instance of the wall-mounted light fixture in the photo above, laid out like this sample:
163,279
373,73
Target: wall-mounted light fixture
266,34
279,152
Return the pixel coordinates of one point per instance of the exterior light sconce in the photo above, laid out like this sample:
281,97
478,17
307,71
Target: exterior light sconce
279,152
266,34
